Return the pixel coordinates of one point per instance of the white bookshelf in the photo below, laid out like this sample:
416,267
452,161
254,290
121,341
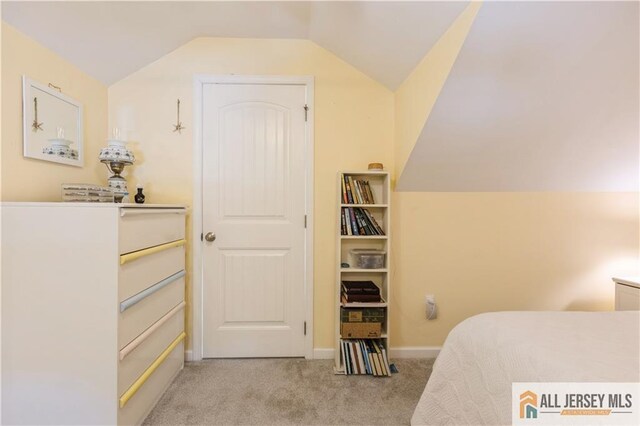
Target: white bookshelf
380,184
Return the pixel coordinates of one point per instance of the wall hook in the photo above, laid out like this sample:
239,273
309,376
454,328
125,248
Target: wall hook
178,127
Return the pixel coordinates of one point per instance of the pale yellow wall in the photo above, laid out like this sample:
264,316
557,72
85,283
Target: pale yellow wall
481,252
34,180
353,126
418,93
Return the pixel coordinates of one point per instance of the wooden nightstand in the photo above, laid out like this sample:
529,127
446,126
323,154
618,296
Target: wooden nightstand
627,294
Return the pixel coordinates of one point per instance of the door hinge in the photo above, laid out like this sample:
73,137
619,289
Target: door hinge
201,236
306,112
305,328
305,221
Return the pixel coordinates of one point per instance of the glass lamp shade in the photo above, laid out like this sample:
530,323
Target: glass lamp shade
116,152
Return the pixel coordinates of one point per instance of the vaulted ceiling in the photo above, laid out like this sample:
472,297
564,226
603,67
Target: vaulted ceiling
543,96
110,40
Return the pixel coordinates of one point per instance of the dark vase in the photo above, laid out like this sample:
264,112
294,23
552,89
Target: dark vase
139,197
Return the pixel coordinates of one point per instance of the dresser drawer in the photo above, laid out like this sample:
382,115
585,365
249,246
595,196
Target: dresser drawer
142,228
145,271
134,362
135,319
145,398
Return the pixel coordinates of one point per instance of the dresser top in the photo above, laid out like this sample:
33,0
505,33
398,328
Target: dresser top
94,205
630,281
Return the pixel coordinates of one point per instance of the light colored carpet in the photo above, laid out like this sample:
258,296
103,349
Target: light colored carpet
289,392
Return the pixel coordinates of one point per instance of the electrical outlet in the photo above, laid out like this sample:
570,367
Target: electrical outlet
432,311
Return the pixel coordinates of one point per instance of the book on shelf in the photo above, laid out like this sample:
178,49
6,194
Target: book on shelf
373,221
348,190
356,191
359,221
360,287
367,188
360,298
364,356
345,199
360,292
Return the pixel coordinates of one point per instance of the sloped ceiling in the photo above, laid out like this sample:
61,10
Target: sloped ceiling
110,40
542,97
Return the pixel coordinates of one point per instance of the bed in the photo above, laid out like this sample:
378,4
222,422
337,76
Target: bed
483,355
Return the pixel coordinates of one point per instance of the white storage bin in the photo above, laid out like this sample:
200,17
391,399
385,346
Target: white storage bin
367,258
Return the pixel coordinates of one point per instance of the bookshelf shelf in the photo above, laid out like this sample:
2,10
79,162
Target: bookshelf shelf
363,305
376,188
364,237
365,206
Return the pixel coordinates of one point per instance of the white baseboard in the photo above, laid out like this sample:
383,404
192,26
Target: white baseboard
323,353
188,355
415,352
401,352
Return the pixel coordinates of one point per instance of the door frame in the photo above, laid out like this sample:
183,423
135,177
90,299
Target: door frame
199,80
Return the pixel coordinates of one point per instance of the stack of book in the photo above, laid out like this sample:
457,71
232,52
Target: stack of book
356,191
364,356
359,221
360,291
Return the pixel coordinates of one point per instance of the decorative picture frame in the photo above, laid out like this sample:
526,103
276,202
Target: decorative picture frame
52,124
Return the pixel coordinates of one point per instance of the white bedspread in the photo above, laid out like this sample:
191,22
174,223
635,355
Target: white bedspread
483,355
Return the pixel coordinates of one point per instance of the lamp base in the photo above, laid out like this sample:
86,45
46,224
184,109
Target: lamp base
119,187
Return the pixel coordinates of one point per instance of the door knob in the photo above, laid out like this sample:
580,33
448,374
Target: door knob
210,236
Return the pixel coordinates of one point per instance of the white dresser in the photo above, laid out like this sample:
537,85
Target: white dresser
92,310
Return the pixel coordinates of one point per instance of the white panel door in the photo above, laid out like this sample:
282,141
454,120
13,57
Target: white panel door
254,201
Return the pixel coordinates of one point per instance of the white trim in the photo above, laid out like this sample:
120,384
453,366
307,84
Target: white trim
197,308
415,352
323,353
188,355
196,224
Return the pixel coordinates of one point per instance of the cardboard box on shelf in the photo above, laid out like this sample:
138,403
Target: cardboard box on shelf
360,330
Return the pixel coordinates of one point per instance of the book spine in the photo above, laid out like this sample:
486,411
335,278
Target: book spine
386,360
343,229
363,369
347,218
365,192
370,193
345,200
354,192
374,358
369,229
361,225
356,360
359,190
354,223
347,357
348,189
343,356
374,223
344,363
365,356
379,353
